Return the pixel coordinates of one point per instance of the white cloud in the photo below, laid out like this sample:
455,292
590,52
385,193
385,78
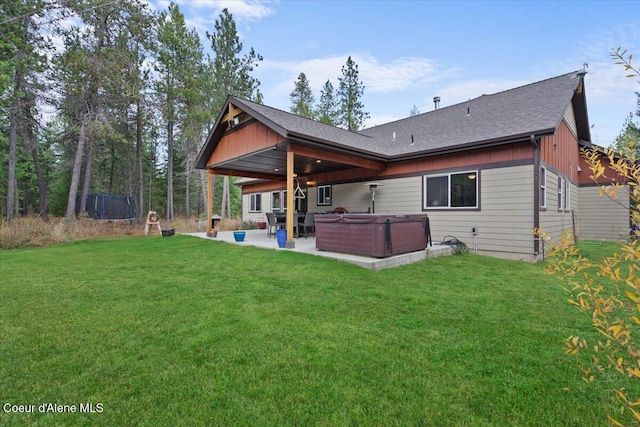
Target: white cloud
202,14
377,76
242,10
398,74
463,91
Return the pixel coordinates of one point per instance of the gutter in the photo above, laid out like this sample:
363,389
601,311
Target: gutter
536,193
472,145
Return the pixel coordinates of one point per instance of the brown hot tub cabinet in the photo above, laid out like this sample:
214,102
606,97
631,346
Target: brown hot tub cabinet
370,234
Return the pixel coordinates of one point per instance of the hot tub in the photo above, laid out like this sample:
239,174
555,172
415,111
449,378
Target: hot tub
372,235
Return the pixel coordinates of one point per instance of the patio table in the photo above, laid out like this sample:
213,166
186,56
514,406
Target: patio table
281,220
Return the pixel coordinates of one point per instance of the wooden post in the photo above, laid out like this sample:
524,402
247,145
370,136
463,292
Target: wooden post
210,231
290,205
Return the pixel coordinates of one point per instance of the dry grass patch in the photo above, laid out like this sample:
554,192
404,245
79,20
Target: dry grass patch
34,231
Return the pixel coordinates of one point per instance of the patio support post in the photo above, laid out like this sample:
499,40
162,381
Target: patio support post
289,204
209,202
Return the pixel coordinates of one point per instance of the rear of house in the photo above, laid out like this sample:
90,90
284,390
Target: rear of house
490,170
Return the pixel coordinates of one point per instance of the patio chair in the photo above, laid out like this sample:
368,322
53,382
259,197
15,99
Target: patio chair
271,222
296,225
309,222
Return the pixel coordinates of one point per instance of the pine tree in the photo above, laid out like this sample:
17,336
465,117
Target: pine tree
629,138
180,59
232,72
351,115
302,97
232,75
95,93
22,61
326,112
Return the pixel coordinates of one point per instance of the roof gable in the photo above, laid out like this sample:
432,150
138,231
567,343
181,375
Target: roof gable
503,117
534,109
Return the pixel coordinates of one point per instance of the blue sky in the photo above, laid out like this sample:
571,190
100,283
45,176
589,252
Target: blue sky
410,51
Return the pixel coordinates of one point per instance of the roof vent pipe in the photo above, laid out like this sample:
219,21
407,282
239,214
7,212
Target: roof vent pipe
436,102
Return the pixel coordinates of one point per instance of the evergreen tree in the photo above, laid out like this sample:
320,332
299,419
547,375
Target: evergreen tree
351,114
414,111
232,76
629,139
326,112
22,60
90,76
232,72
180,59
302,97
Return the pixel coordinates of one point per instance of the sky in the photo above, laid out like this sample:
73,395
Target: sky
408,52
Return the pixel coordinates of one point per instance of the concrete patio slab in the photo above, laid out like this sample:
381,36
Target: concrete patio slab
258,238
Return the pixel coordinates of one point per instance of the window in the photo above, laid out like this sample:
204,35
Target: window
560,194
276,201
455,190
543,188
567,195
324,195
255,202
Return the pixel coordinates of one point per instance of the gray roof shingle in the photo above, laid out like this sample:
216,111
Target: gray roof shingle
536,108
533,109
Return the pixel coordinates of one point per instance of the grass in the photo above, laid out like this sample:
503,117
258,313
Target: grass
183,331
35,231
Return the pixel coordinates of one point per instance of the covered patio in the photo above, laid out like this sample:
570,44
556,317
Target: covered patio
258,238
252,141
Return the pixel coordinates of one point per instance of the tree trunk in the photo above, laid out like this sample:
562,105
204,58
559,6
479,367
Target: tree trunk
112,167
11,180
225,185
130,163
13,136
42,188
203,187
30,124
87,177
75,176
213,190
170,212
228,191
139,159
187,192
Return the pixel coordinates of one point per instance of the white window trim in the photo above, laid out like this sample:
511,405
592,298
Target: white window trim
448,175
273,207
324,202
543,187
560,194
252,198
567,195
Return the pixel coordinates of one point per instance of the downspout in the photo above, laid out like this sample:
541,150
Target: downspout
536,193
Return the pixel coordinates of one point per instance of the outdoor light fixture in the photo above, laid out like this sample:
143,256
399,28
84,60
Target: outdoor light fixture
372,188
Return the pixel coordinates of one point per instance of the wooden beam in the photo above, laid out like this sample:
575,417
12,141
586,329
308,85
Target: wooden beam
290,205
210,231
336,157
246,174
232,112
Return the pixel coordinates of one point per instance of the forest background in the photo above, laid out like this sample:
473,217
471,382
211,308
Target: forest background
120,102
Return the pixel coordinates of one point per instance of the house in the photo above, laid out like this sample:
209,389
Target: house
499,165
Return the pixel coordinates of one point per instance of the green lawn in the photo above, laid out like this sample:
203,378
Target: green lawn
184,331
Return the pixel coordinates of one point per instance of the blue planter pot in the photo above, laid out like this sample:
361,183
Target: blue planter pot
239,236
281,236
